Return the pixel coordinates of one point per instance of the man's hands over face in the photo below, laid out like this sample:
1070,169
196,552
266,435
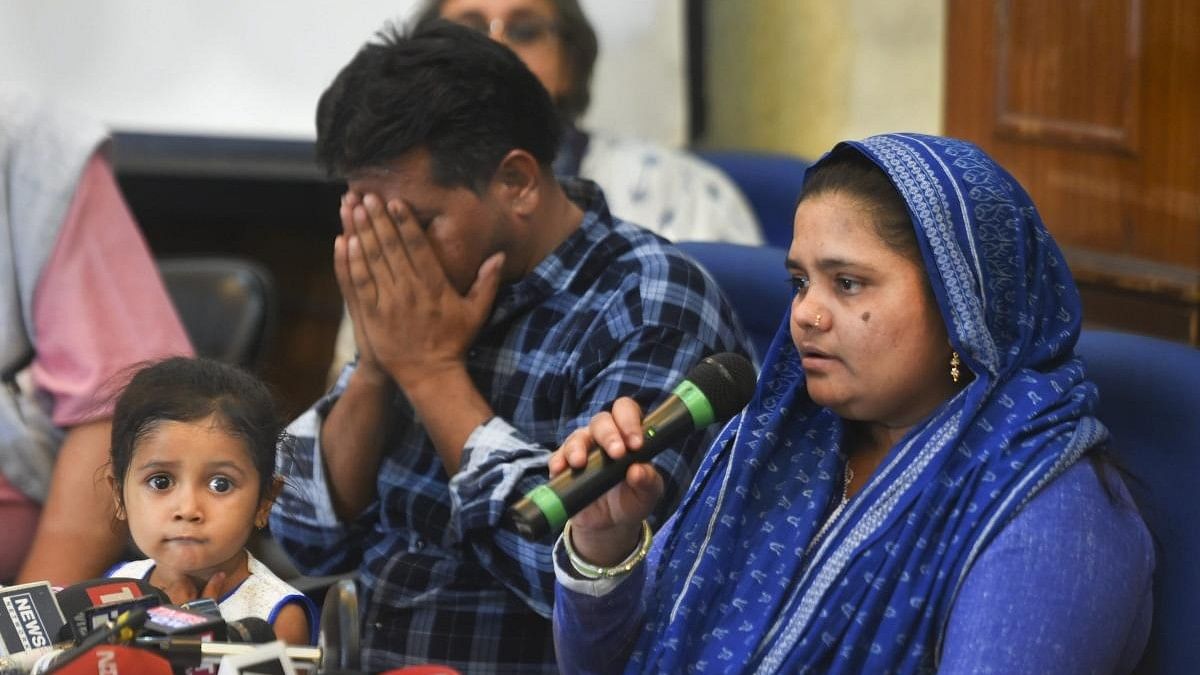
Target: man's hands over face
410,322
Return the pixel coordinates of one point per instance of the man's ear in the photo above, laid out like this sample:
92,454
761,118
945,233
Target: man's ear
118,507
518,181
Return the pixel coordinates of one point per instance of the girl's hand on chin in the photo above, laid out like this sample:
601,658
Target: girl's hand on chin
183,588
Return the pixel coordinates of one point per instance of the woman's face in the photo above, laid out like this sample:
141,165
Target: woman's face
870,337
528,27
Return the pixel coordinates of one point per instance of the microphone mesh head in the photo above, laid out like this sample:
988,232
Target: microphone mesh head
250,629
727,380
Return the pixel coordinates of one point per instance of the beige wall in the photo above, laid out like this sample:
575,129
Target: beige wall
799,75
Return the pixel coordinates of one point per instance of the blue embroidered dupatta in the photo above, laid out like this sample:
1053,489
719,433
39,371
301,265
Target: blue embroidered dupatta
749,577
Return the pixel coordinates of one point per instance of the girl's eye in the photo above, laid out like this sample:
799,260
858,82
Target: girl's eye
220,484
159,482
800,283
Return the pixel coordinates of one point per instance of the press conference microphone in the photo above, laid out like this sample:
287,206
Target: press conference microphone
338,636
250,629
244,636
157,620
714,389
112,660
30,618
22,663
88,605
120,630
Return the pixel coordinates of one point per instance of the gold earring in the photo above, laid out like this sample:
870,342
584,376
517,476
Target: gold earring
954,364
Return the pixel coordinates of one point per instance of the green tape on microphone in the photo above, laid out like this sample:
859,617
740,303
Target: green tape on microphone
696,403
550,506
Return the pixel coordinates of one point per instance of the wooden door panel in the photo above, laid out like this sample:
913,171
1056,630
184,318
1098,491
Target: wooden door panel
1066,75
1094,106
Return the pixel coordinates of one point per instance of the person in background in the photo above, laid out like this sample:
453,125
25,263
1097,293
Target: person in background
670,192
918,484
80,301
496,309
193,474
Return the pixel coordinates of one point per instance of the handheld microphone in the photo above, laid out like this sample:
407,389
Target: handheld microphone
713,390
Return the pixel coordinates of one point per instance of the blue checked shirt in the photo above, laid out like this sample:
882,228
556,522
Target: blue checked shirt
614,311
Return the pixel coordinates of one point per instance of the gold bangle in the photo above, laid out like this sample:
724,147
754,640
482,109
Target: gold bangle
590,571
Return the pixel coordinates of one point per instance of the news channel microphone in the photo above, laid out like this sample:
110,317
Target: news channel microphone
182,638
121,630
88,605
111,660
158,619
180,621
244,636
30,619
249,642
714,389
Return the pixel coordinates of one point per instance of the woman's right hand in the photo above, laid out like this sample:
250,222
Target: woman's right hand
608,530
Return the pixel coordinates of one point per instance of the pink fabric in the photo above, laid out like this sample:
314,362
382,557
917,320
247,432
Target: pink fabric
100,305
19,515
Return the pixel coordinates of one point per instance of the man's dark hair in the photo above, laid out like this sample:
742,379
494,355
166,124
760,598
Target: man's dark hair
448,89
579,46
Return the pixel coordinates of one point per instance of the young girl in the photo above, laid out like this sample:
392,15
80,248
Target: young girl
193,473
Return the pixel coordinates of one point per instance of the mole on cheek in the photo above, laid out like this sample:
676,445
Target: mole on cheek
866,316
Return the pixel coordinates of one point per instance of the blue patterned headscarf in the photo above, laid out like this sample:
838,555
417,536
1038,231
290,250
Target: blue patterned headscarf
754,574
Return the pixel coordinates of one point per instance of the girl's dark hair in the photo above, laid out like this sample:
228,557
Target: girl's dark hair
579,45
181,389
848,171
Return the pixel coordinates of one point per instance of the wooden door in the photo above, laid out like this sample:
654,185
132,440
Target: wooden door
1094,105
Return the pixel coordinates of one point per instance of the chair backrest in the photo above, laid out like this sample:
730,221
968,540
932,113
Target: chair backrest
771,183
754,280
1150,401
227,305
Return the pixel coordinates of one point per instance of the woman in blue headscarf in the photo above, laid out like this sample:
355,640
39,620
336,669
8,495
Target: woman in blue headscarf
916,484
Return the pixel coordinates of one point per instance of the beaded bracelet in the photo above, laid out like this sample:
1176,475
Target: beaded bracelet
590,571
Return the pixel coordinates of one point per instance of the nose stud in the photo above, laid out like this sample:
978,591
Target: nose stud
816,323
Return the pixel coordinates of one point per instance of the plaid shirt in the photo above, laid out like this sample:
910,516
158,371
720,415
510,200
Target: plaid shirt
614,311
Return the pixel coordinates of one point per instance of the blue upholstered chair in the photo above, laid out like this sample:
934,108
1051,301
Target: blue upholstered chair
754,280
771,183
1150,401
